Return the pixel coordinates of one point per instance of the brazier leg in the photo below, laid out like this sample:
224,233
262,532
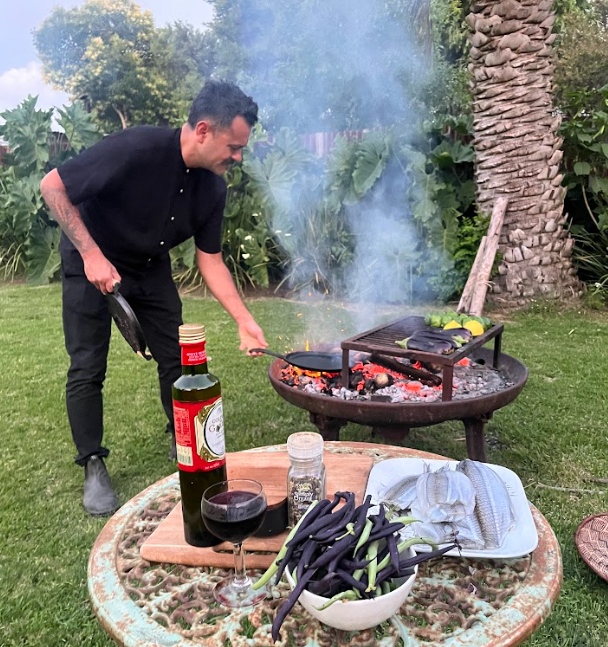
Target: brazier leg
328,427
474,432
391,434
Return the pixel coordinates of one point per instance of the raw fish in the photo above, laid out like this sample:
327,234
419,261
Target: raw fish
467,534
402,493
444,495
493,503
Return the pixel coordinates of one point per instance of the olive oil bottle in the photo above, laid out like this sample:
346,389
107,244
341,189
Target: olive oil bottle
199,432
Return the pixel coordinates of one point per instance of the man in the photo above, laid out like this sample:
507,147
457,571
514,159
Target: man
122,205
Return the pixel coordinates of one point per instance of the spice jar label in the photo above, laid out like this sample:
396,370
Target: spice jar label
303,491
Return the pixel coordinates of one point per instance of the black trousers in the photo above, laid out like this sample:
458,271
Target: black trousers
87,327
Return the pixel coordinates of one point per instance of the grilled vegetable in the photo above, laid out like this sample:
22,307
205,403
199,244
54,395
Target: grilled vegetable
459,331
459,335
452,324
426,344
475,327
452,319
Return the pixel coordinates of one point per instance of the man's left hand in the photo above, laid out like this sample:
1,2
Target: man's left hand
251,337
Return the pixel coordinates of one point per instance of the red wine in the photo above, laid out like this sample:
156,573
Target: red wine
234,515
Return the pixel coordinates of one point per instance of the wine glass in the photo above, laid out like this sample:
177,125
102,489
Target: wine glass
234,510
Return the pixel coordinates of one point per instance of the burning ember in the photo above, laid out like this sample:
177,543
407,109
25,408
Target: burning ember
371,381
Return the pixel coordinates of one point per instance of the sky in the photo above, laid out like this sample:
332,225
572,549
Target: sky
20,68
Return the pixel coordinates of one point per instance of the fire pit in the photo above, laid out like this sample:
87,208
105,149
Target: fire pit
426,405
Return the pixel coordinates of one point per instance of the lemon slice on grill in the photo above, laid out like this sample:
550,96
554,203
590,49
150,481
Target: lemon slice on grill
475,327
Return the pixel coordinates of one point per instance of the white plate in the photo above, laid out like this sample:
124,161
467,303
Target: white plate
521,539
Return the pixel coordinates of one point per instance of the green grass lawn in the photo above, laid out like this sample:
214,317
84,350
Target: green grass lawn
553,434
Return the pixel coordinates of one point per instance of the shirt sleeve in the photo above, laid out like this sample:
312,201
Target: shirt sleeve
208,236
97,169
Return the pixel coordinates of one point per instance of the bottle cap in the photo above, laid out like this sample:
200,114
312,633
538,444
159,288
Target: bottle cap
305,445
191,334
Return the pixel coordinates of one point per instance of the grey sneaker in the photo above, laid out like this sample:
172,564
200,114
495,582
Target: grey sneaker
99,499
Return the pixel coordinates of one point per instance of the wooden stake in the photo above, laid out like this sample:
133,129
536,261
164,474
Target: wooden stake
474,293
469,288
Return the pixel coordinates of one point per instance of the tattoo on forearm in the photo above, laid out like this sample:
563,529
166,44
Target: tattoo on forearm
68,218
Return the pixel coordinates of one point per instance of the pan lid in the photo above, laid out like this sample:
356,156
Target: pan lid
127,323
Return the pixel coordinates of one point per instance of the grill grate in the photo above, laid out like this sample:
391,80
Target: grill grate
383,340
389,334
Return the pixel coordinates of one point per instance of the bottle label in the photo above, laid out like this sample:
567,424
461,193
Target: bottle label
193,354
199,435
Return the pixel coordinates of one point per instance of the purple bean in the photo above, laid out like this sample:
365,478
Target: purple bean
386,530
289,603
323,519
337,498
283,563
423,557
327,586
316,512
391,542
343,516
339,548
383,553
352,565
350,580
383,576
308,550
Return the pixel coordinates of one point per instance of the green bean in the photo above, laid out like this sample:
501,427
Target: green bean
351,594
386,587
349,531
372,568
365,533
404,520
404,545
272,569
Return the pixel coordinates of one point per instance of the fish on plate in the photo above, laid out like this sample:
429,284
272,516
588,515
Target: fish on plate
400,494
466,532
493,508
443,496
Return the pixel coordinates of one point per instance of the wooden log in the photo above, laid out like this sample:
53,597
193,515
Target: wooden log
478,298
465,300
393,364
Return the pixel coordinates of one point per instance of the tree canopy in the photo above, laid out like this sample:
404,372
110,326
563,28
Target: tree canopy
109,53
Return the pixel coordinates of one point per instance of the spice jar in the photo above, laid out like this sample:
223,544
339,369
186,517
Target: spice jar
306,475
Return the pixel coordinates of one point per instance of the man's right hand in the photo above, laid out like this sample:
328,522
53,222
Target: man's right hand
100,272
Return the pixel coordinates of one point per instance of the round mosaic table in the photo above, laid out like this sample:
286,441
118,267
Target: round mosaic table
455,602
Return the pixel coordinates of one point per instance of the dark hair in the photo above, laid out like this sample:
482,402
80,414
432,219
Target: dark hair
221,102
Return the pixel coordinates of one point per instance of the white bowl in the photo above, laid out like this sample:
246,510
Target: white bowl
355,615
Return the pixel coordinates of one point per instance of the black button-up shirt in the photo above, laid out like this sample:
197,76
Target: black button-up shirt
138,199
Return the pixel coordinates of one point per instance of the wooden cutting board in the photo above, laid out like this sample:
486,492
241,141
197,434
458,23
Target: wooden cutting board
344,472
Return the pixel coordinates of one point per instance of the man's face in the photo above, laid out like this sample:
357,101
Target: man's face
219,147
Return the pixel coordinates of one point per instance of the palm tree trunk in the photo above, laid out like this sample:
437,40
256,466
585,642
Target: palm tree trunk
517,148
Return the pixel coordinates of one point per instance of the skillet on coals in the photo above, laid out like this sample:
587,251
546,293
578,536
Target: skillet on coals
127,322
317,361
